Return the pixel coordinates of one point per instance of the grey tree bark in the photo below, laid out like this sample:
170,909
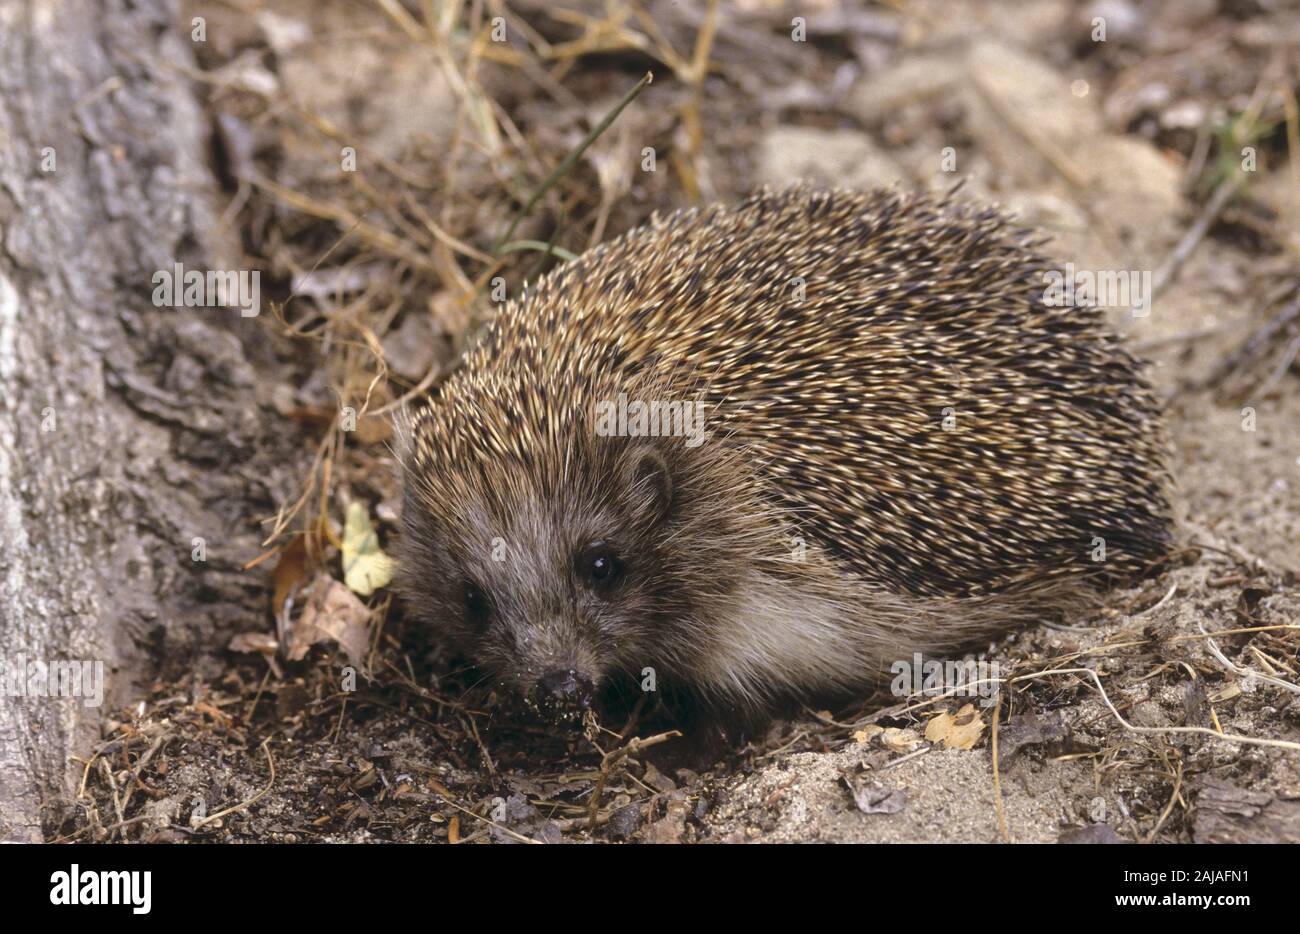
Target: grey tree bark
127,431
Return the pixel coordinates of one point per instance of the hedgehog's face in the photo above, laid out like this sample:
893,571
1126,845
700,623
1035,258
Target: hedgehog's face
553,587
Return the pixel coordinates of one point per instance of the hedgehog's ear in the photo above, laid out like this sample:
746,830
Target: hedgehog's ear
648,482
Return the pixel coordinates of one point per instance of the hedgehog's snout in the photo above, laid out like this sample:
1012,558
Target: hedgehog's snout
567,687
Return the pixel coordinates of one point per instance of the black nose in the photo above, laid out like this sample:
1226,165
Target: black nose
568,686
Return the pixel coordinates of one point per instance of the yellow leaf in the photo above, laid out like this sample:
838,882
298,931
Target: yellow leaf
365,567
865,735
956,731
896,740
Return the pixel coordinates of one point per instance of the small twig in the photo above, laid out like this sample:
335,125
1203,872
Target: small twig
1158,730
634,717
1056,157
773,753
139,767
1256,344
1244,672
270,762
915,754
1195,234
1184,337
1233,632
515,245
1288,358
81,792
338,727
112,786
1164,815
266,676
571,159
487,820
487,756
349,223
1173,588
614,756
130,821
997,778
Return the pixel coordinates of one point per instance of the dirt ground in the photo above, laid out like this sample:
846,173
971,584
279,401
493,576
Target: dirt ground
1116,148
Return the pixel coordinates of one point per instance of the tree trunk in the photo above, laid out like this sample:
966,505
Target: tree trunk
127,431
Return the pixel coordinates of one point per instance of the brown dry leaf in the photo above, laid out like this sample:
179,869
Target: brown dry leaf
298,562
290,572
956,731
331,613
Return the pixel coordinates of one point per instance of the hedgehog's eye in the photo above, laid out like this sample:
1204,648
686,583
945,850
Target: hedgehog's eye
476,603
600,566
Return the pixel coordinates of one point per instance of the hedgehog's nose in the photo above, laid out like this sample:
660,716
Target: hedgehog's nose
568,686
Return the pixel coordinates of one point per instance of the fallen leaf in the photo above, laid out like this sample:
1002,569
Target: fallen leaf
331,613
1028,730
289,574
956,731
898,740
875,797
866,734
365,567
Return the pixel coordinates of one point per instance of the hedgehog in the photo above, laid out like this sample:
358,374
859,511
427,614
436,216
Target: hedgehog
762,453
